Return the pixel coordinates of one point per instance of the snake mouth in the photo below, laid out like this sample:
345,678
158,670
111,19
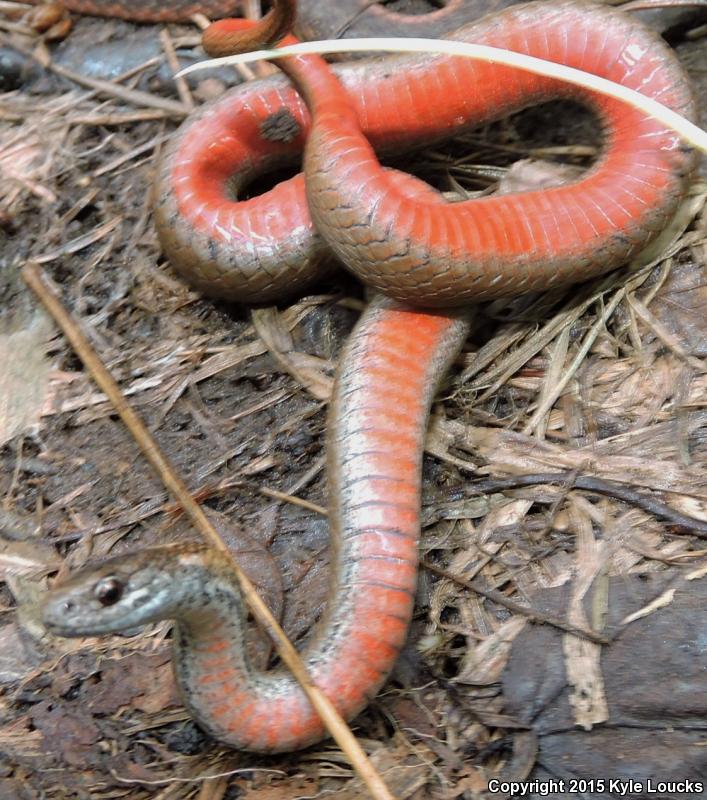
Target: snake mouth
65,631
65,616
70,630
54,618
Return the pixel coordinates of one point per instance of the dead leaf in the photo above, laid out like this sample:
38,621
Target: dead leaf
68,731
24,378
309,371
17,656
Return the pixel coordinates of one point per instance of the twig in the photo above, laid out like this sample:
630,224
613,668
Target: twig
37,280
81,242
517,608
173,62
293,500
145,147
132,96
108,120
600,485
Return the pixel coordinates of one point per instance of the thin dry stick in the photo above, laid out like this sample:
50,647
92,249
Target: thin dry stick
132,96
615,489
37,280
170,54
112,89
517,608
293,500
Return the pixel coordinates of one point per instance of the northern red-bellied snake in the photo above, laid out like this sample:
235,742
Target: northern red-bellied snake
359,17
152,10
393,231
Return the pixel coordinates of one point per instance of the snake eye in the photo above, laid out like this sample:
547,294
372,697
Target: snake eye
108,591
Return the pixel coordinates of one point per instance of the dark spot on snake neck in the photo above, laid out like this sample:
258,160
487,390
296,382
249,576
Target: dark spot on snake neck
280,126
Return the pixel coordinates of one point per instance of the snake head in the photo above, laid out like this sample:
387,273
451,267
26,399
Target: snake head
116,594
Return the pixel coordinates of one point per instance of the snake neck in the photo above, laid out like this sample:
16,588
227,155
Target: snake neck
209,599
374,520
321,91
223,688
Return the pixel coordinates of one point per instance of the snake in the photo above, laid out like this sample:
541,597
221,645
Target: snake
347,17
151,10
358,18
426,260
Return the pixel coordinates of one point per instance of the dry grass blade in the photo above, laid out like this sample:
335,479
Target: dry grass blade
81,242
182,86
40,285
665,336
550,398
640,5
688,131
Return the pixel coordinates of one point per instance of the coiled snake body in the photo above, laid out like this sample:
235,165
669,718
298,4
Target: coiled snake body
401,238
